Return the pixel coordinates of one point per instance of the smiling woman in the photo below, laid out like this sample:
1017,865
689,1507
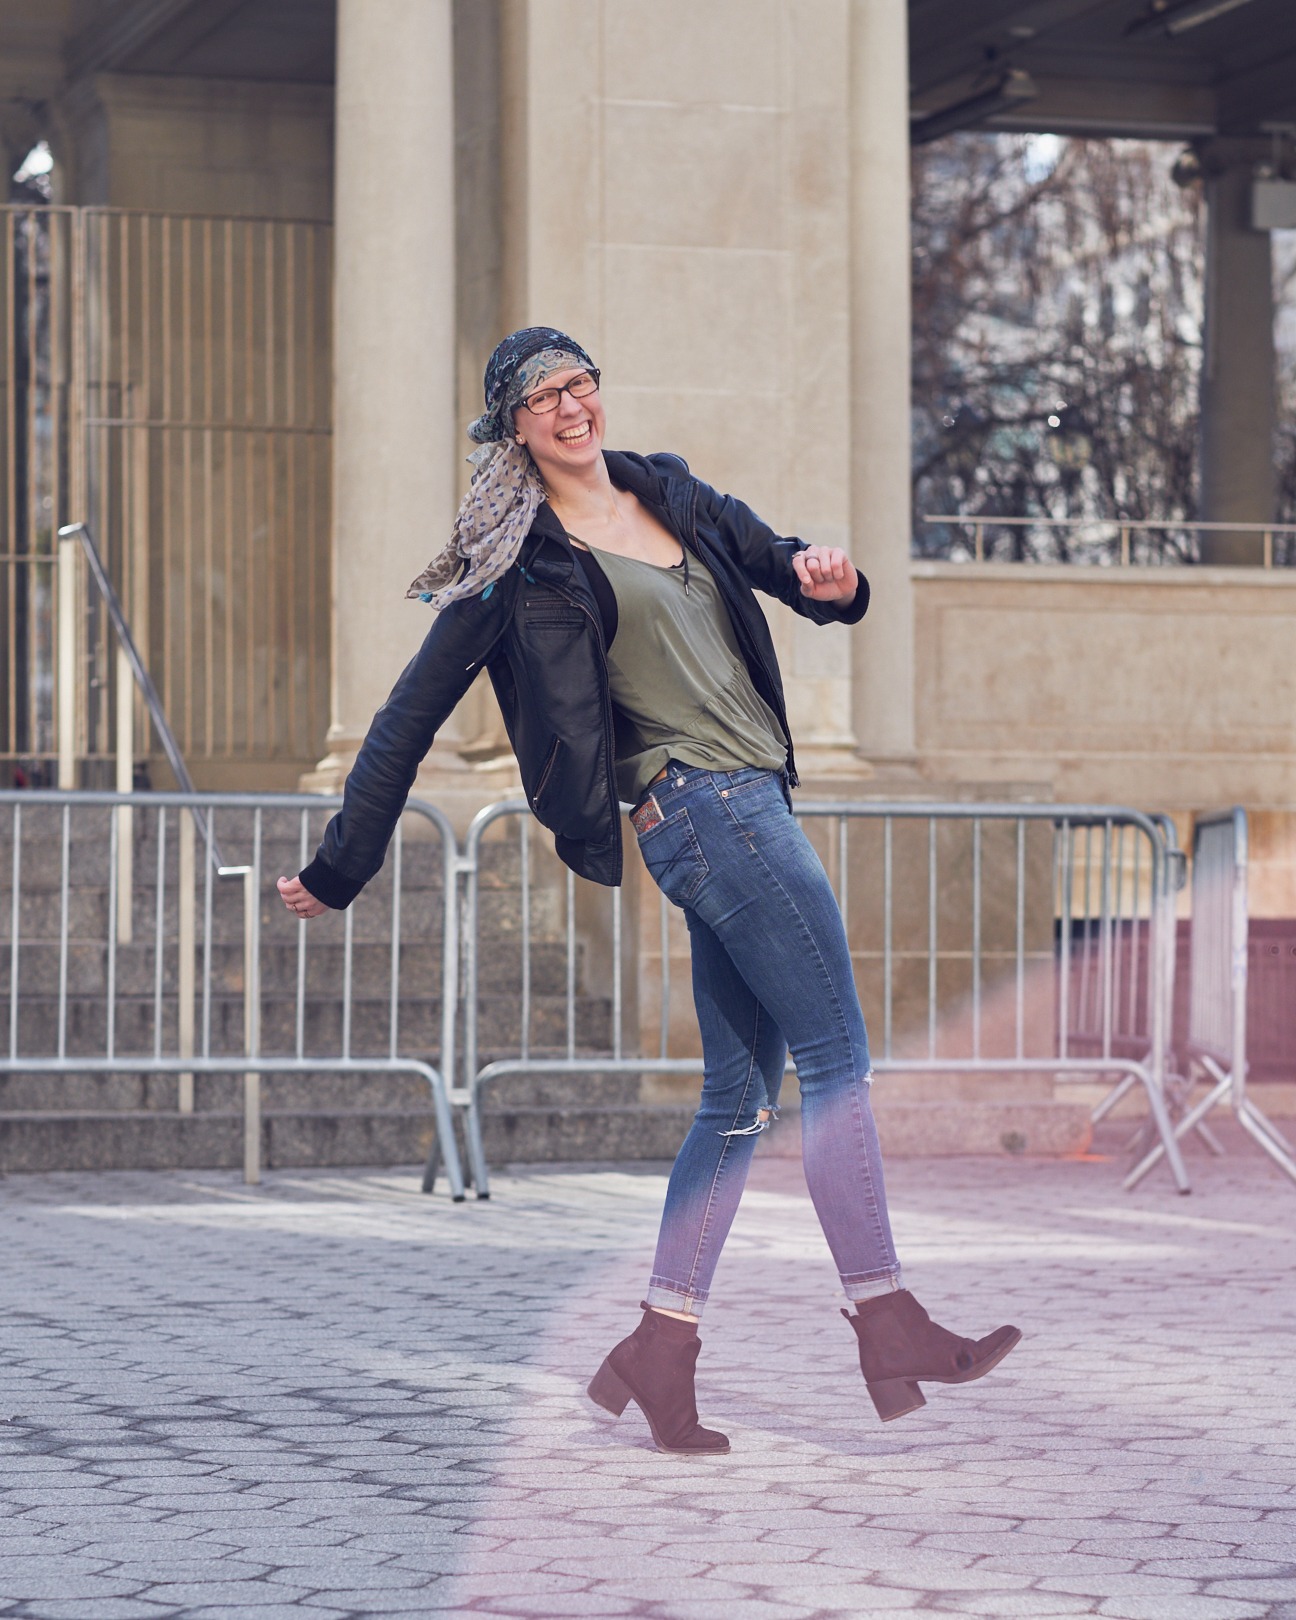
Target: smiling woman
611,596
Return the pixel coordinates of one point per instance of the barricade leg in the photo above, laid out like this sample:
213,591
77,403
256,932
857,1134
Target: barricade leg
1168,1143
476,1148
1267,1135
443,1144
1102,1109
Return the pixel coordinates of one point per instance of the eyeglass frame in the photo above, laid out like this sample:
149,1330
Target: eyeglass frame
548,388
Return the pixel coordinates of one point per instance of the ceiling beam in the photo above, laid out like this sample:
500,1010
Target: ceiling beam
113,41
948,36
1097,107
1261,95
1102,108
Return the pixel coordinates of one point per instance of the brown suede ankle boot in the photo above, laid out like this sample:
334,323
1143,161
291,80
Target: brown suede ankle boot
899,1344
654,1368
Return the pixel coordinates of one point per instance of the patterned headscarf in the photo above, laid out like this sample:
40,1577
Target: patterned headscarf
496,514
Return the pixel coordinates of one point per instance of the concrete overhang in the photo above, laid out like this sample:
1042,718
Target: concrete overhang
1162,69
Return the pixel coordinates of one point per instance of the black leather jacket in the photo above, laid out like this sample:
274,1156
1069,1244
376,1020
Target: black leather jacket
541,635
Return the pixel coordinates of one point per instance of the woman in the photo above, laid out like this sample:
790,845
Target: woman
611,597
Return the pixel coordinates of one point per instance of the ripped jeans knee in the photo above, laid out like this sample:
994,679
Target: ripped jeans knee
765,1117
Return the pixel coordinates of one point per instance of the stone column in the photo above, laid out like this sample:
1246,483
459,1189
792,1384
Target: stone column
1237,380
883,674
395,429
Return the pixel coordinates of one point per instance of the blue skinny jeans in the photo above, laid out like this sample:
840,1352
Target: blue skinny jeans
771,971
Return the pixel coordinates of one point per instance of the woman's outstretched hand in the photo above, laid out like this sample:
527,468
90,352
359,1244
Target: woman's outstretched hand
299,900
826,574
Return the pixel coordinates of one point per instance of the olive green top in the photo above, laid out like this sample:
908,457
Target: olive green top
679,682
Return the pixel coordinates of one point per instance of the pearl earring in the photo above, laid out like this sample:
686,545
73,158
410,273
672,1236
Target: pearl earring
518,439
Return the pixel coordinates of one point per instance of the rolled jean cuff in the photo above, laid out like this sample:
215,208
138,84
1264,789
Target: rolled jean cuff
667,1298
858,1289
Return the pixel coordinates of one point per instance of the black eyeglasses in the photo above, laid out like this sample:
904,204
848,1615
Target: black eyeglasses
545,400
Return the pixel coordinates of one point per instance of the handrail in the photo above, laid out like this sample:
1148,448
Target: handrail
117,617
979,521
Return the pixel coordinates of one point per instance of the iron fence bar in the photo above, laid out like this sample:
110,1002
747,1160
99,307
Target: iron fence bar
159,923
570,878
15,941
524,871
1064,976
348,976
617,1040
663,932
209,869
1105,939
114,900
299,1010
1019,946
65,852
393,990
887,952
931,937
976,938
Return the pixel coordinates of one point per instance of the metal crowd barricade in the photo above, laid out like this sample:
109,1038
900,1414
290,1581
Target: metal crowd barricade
1217,995
213,976
1059,962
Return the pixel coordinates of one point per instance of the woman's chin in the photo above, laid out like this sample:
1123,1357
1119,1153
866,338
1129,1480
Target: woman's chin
577,457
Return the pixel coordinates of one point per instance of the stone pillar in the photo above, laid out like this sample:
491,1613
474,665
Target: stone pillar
883,674
1237,380
395,429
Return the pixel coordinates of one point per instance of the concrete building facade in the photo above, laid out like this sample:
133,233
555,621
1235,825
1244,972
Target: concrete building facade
713,197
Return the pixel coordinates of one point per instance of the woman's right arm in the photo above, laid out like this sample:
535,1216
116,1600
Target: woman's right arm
355,840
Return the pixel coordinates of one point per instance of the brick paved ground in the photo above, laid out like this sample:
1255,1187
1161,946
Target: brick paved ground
332,1397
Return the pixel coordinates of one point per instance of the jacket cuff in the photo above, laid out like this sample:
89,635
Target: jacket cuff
857,607
329,885
841,613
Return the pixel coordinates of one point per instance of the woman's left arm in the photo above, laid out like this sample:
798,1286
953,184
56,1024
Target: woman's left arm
819,582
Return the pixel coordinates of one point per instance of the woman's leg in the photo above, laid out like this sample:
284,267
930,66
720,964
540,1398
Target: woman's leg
729,850
744,1051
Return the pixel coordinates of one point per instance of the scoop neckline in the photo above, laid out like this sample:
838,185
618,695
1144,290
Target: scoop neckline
668,568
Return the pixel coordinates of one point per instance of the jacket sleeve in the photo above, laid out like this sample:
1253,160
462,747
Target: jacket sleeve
355,840
766,559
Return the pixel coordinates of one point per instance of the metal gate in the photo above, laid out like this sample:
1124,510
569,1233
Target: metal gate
166,380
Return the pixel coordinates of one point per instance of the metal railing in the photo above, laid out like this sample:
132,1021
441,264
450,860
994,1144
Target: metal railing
1217,1003
216,978
1125,541
987,938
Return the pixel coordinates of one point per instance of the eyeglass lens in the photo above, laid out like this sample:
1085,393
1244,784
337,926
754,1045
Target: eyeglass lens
546,399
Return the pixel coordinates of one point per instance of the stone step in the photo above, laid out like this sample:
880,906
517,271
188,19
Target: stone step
170,1141
908,1130
221,1093
419,1024
335,1135
154,1140
498,968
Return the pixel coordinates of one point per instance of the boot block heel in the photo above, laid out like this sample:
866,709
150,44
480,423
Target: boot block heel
607,1390
893,1397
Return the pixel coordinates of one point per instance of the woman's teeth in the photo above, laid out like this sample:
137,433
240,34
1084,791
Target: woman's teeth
576,435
